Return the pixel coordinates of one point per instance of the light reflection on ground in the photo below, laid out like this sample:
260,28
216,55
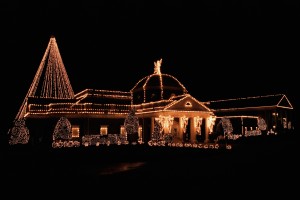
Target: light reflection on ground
121,167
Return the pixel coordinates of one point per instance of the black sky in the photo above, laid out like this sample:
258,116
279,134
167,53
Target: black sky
216,48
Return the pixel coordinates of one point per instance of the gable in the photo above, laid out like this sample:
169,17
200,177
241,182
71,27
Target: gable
257,102
285,103
187,103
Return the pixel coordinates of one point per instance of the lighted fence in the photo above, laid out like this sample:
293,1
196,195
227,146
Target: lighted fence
96,140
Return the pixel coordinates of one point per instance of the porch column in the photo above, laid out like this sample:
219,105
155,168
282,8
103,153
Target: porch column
192,130
180,131
207,124
152,126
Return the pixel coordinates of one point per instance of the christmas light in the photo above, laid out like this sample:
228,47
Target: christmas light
166,123
226,125
63,129
157,132
156,73
55,86
261,123
197,124
183,123
19,134
211,122
131,122
56,83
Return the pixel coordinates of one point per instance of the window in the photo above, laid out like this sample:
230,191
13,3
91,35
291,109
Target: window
122,130
188,104
75,131
284,122
103,130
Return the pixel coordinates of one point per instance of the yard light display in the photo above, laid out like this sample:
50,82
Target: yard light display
19,134
158,110
197,124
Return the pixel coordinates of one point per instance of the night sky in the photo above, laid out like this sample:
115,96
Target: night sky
217,49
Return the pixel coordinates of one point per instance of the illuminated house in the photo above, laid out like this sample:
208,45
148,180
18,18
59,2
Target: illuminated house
157,108
160,103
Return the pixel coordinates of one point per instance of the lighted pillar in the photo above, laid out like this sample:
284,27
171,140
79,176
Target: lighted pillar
242,122
207,129
152,125
193,131
180,131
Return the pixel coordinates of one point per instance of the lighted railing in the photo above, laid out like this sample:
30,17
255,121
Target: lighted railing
233,136
78,108
97,140
66,143
253,132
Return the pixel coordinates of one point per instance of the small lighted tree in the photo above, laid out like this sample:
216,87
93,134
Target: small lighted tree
131,124
261,123
227,126
19,134
63,129
157,132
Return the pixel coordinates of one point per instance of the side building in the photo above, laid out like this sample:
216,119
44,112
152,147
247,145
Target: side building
256,115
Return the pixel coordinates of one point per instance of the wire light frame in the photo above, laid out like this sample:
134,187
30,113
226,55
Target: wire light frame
55,83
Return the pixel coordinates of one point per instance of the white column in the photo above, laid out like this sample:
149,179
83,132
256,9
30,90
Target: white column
206,139
192,130
152,125
180,131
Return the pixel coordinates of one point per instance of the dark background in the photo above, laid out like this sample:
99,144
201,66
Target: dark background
217,49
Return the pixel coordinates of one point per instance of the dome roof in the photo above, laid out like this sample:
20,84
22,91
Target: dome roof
156,87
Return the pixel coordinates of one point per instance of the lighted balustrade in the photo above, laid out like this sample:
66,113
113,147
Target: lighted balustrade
253,132
78,108
60,143
233,136
97,140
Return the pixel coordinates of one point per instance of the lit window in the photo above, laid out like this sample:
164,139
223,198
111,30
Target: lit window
75,131
188,104
122,130
284,122
103,130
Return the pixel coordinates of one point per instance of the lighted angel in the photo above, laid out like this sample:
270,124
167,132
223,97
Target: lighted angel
157,66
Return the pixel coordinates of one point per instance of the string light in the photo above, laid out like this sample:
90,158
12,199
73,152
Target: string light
197,124
131,122
63,129
19,134
143,83
226,125
56,85
261,123
211,122
157,131
183,123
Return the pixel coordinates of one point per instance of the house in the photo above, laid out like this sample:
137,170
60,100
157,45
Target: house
158,108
